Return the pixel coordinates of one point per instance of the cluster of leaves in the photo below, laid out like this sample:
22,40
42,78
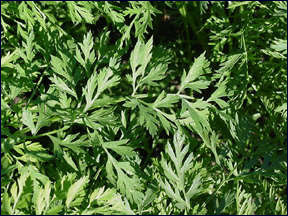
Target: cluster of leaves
104,111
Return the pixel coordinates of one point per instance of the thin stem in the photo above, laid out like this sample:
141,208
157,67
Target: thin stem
48,133
34,90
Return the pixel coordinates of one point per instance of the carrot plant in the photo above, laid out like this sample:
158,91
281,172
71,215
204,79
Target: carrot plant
142,107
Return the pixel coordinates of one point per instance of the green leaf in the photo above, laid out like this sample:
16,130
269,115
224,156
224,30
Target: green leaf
61,85
74,189
221,91
119,147
87,49
109,202
80,11
59,66
42,198
280,46
164,100
149,197
199,119
142,12
233,5
156,73
27,119
147,117
6,204
199,67
228,65
104,80
69,160
176,181
70,142
139,59
195,187
8,58
127,180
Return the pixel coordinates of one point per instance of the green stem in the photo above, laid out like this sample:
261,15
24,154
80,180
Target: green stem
34,90
224,181
48,133
183,12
